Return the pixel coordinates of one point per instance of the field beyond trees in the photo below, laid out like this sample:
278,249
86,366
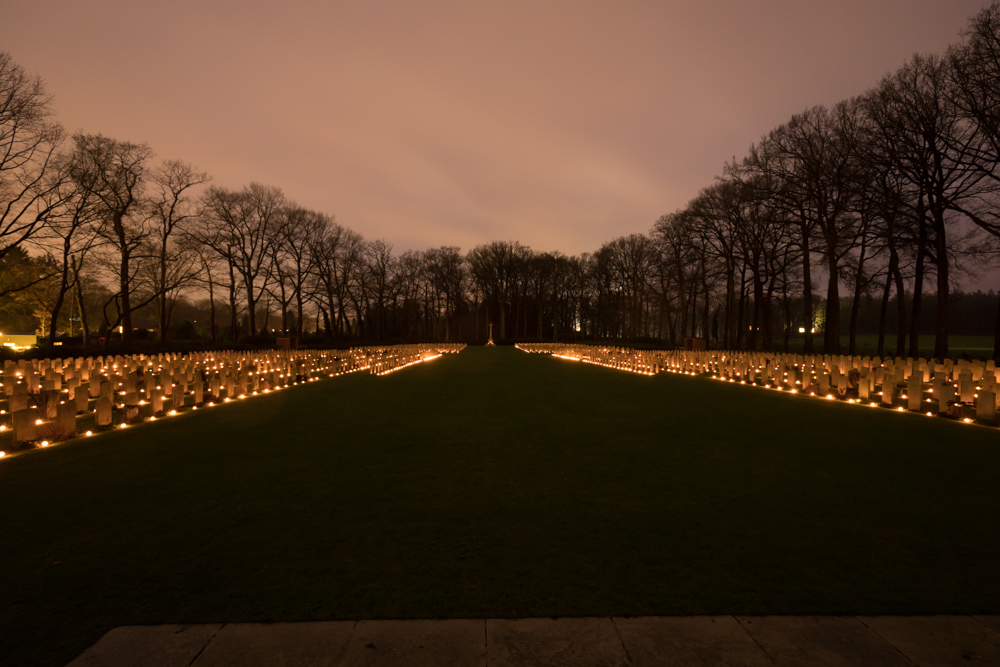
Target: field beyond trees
499,484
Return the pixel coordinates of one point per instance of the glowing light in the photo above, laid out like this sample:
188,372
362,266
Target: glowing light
89,433
45,443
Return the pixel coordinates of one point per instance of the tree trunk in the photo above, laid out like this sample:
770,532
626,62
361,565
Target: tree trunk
729,336
234,325
740,312
60,297
856,302
126,304
918,281
807,345
162,299
758,305
943,301
80,304
831,333
900,312
996,331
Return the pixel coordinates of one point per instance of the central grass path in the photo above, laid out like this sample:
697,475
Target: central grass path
497,484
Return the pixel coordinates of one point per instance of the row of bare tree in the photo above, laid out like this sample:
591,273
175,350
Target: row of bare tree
891,193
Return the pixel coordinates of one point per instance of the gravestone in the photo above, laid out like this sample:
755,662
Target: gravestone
18,402
888,393
986,406
82,401
945,397
50,404
23,423
102,412
966,390
66,418
914,392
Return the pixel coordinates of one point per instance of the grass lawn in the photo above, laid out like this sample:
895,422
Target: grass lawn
497,483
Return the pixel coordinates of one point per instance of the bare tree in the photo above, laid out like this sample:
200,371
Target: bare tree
975,91
117,171
29,143
242,227
173,210
69,235
921,131
293,260
445,269
494,267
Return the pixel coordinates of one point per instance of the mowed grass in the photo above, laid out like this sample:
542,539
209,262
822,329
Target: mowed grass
495,483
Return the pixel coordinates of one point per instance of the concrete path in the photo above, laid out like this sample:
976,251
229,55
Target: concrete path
751,641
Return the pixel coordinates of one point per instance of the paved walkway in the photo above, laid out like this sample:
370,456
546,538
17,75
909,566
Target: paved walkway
686,640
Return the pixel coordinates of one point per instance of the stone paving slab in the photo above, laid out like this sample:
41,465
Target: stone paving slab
320,644
939,640
417,643
991,622
751,641
149,645
689,640
563,642
821,641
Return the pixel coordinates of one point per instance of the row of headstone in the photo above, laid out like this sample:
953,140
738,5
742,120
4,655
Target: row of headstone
644,362
957,388
387,360
40,396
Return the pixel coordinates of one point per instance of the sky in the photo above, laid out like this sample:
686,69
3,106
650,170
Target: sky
561,125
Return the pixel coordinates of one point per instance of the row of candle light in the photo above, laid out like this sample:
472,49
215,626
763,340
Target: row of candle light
676,368
370,353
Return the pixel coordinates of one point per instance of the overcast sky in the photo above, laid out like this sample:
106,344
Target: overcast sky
558,124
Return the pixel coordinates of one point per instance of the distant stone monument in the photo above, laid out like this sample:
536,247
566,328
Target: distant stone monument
490,342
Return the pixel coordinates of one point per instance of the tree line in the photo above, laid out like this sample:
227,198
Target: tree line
888,196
